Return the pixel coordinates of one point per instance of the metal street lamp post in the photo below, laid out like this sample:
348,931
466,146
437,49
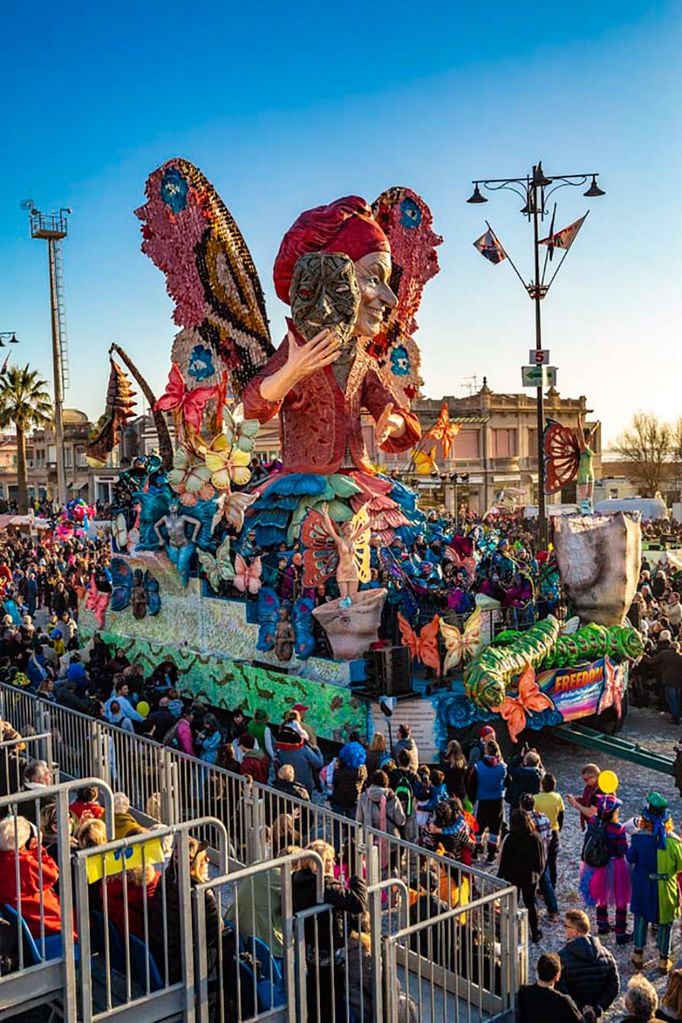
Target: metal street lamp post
534,190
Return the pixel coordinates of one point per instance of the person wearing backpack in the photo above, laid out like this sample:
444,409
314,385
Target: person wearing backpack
485,784
407,786
604,872
379,808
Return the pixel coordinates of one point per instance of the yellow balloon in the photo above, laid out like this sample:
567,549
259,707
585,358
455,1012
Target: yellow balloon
608,782
143,708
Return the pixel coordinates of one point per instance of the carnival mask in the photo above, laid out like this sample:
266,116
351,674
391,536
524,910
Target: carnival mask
324,293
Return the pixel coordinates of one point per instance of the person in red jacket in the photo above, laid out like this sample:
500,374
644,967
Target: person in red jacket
141,884
17,839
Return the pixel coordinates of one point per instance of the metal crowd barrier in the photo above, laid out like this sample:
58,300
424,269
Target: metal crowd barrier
260,823
135,921
42,966
462,965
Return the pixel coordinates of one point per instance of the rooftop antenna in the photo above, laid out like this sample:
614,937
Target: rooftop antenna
471,383
52,228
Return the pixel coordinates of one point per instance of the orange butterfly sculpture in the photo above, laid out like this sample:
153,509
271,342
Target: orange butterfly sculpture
423,647
514,710
444,430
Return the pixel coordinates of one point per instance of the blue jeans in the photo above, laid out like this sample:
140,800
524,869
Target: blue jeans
547,891
672,697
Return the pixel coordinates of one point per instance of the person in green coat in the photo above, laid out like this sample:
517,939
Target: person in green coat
656,856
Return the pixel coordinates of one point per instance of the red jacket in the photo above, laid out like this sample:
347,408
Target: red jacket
78,809
29,887
136,909
318,420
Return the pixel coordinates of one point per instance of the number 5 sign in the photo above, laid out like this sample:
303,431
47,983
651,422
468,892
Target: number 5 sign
539,358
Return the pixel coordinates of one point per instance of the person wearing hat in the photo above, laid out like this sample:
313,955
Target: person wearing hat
308,729
259,728
609,885
655,855
486,733
666,665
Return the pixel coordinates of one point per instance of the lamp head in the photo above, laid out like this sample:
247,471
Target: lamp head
476,196
594,191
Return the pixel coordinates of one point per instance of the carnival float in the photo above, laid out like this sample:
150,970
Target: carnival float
273,586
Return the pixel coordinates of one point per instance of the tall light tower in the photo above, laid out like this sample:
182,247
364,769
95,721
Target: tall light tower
52,228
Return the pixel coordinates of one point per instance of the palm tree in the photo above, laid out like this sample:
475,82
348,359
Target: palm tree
25,403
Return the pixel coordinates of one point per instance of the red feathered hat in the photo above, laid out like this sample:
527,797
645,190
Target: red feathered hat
345,226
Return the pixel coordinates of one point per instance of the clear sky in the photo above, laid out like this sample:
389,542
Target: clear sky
285,106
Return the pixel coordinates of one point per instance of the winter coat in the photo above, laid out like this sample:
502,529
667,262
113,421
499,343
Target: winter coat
666,664
304,759
256,763
411,746
588,973
172,926
351,900
347,785
522,859
291,788
136,904
486,779
520,780
184,736
67,696
370,811
29,887
655,893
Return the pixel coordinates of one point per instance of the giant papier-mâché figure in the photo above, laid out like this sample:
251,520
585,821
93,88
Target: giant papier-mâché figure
348,347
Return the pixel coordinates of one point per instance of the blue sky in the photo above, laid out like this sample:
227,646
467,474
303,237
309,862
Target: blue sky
287,106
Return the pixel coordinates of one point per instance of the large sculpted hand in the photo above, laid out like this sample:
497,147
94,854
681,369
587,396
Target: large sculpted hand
389,424
302,361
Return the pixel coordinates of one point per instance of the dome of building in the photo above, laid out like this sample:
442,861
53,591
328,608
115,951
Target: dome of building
73,416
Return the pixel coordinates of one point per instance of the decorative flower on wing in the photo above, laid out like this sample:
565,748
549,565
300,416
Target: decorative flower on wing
190,478
240,432
231,508
227,464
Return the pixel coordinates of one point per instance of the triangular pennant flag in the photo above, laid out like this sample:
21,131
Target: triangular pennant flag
564,238
489,246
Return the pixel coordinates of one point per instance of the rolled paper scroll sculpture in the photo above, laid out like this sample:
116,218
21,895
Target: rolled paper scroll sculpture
599,557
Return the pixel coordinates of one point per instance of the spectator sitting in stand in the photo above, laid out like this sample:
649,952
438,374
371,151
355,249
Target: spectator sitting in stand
37,875
85,804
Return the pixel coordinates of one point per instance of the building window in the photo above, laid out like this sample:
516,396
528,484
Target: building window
504,443
467,445
68,457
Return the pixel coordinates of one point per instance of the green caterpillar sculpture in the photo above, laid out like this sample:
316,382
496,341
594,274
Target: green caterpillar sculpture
490,674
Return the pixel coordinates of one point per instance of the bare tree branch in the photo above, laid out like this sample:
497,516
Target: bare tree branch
648,446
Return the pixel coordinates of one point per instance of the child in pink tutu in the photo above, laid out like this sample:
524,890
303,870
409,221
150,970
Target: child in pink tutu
609,885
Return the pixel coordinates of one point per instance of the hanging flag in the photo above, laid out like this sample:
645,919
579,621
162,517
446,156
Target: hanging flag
563,239
444,429
490,247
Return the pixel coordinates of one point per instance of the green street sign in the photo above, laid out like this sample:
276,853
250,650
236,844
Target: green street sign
538,376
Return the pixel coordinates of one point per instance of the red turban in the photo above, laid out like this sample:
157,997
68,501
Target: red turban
345,226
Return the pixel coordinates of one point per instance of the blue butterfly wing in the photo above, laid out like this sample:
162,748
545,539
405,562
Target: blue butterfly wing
122,584
303,627
268,614
151,585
